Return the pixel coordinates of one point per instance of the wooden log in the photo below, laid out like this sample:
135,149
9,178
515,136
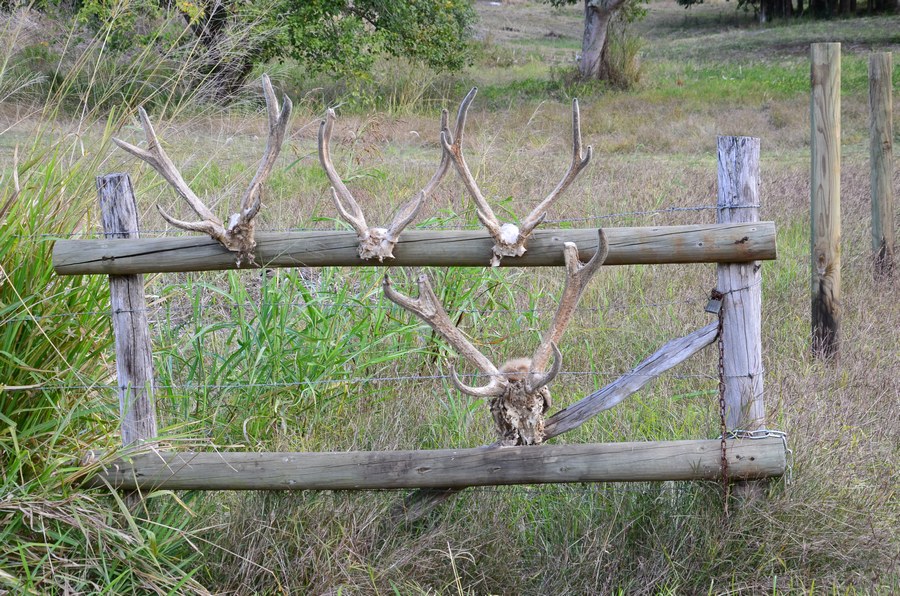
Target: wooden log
134,361
741,284
455,468
881,162
471,248
671,354
825,197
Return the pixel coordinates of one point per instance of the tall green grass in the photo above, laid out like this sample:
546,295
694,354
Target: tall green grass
54,345
55,338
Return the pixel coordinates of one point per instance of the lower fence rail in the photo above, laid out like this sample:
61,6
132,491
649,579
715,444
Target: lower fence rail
446,468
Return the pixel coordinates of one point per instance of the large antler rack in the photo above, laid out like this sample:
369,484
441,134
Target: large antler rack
374,243
238,236
518,389
510,239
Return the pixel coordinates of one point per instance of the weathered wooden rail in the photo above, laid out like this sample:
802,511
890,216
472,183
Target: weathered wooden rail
709,243
447,468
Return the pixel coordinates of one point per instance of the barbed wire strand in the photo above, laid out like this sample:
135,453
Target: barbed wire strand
190,309
171,232
348,381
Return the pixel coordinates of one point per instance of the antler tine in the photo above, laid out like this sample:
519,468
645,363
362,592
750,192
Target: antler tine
536,380
453,147
405,214
157,158
428,308
445,159
578,276
343,200
579,162
278,121
408,211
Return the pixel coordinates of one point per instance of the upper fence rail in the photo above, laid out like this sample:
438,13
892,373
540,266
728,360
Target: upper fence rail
703,243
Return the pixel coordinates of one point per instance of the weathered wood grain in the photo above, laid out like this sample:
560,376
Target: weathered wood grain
825,197
881,162
708,243
669,355
454,468
741,284
134,356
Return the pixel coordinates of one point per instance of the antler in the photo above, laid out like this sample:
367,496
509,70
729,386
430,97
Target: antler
373,242
509,239
428,308
518,391
578,276
239,235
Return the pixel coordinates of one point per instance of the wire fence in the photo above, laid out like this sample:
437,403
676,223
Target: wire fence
173,232
206,312
221,310
194,387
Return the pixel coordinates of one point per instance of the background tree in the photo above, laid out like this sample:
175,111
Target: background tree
598,15
338,37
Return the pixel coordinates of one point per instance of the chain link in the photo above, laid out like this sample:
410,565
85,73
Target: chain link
717,295
762,433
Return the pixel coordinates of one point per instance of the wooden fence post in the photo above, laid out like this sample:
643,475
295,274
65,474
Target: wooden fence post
738,201
881,160
825,197
134,362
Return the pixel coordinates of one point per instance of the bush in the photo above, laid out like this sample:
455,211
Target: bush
624,51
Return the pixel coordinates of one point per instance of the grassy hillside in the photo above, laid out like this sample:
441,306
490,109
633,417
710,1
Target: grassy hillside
317,360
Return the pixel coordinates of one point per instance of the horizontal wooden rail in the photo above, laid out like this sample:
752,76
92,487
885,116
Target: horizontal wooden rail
453,468
709,243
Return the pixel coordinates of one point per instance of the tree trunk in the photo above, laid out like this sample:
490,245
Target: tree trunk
224,75
597,16
819,8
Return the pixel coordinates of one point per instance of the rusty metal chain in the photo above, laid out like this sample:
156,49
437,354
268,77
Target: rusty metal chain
716,295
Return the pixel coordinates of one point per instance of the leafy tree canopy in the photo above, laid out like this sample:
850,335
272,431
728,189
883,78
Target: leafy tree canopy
339,37
630,12
344,37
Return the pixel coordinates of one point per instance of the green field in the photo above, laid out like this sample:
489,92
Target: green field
317,359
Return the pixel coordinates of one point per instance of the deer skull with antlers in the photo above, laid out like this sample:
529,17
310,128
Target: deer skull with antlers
518,389
238,236
510,239
374,243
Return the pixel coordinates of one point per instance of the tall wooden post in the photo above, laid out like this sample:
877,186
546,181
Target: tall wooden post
881,160
134,362
738,202
825,197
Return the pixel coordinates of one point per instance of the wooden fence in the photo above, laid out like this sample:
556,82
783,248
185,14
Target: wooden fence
737,243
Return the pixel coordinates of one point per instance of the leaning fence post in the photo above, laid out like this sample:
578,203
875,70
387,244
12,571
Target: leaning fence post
825,197
738,202
881,140
134,362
